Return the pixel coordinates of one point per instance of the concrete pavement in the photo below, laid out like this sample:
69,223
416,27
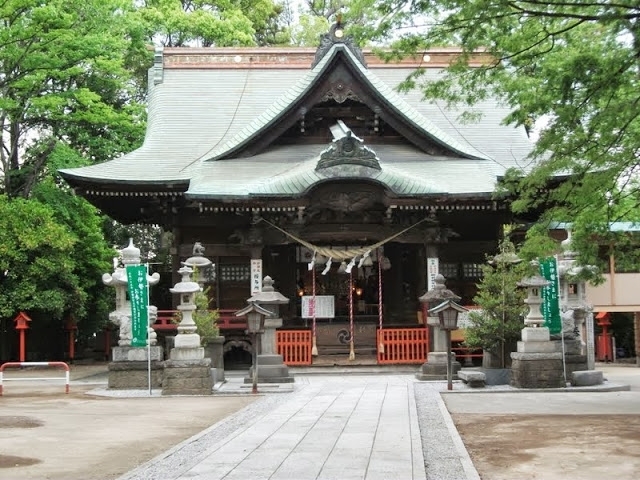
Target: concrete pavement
330,427
368,424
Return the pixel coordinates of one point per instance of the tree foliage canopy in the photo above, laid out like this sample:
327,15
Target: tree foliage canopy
63,80
571,68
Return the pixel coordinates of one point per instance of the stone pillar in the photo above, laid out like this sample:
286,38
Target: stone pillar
271,367
435,368
536,363
187,372
129,368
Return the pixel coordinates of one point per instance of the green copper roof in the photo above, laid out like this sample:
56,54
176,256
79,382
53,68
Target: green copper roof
395,102
195,113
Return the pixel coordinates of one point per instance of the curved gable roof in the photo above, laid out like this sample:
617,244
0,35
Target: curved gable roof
294,97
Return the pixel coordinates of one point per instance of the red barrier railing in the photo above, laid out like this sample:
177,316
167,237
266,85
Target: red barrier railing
402,345
294,346
36,364
226,321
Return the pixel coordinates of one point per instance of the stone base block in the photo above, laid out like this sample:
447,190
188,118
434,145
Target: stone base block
536,347
537,370
586,378
473,378
134,375
531,334
496,376
187,377
187,354
575,363
137,354
571,347
437,370
271,369
186,340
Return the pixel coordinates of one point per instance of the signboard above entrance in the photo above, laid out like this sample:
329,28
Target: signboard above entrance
324,306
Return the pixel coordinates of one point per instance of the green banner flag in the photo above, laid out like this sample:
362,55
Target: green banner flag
550,307
139,297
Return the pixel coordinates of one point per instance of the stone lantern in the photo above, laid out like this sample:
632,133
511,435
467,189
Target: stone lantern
271,368
447,313
255,325
187,341
536,363
129,366
578,339
199,263
121,316
187,372
435,368
534,286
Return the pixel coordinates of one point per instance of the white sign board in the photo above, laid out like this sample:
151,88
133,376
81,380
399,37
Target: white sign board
433,267
324,306
256,276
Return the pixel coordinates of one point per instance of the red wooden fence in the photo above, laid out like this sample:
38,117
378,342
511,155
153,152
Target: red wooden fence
227,320
403,345
294,346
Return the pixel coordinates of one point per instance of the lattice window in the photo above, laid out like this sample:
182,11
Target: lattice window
449,270
234,273
472,270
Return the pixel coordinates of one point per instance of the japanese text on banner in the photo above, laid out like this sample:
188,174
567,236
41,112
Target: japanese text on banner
139,297
550,307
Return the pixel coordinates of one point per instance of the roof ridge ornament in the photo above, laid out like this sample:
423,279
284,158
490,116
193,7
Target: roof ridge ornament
335,36
347,149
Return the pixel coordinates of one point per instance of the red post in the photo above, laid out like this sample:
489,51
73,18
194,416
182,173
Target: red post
603,343
21,325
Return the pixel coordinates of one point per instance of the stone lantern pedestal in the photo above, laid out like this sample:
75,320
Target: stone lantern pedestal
271,367
536,364
435,368
129,368
187,372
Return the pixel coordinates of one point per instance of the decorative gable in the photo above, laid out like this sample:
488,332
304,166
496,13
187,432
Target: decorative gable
347,149
339,80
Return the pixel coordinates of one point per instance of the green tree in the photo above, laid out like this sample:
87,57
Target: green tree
570,68
63,81
91,254
36,262
205,23
496,326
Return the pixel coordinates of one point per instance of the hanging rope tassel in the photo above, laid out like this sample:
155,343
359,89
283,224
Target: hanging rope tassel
381,345
352,353
314,347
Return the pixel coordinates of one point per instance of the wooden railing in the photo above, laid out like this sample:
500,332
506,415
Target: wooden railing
226,321
294,346
403,345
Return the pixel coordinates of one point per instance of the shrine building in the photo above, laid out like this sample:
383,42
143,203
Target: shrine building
283,154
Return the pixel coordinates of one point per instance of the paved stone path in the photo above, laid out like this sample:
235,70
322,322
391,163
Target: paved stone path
329,428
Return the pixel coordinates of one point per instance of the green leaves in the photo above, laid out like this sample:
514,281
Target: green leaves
63,80
568,68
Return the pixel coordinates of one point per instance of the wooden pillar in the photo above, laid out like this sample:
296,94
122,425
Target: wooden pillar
175,261
22,324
